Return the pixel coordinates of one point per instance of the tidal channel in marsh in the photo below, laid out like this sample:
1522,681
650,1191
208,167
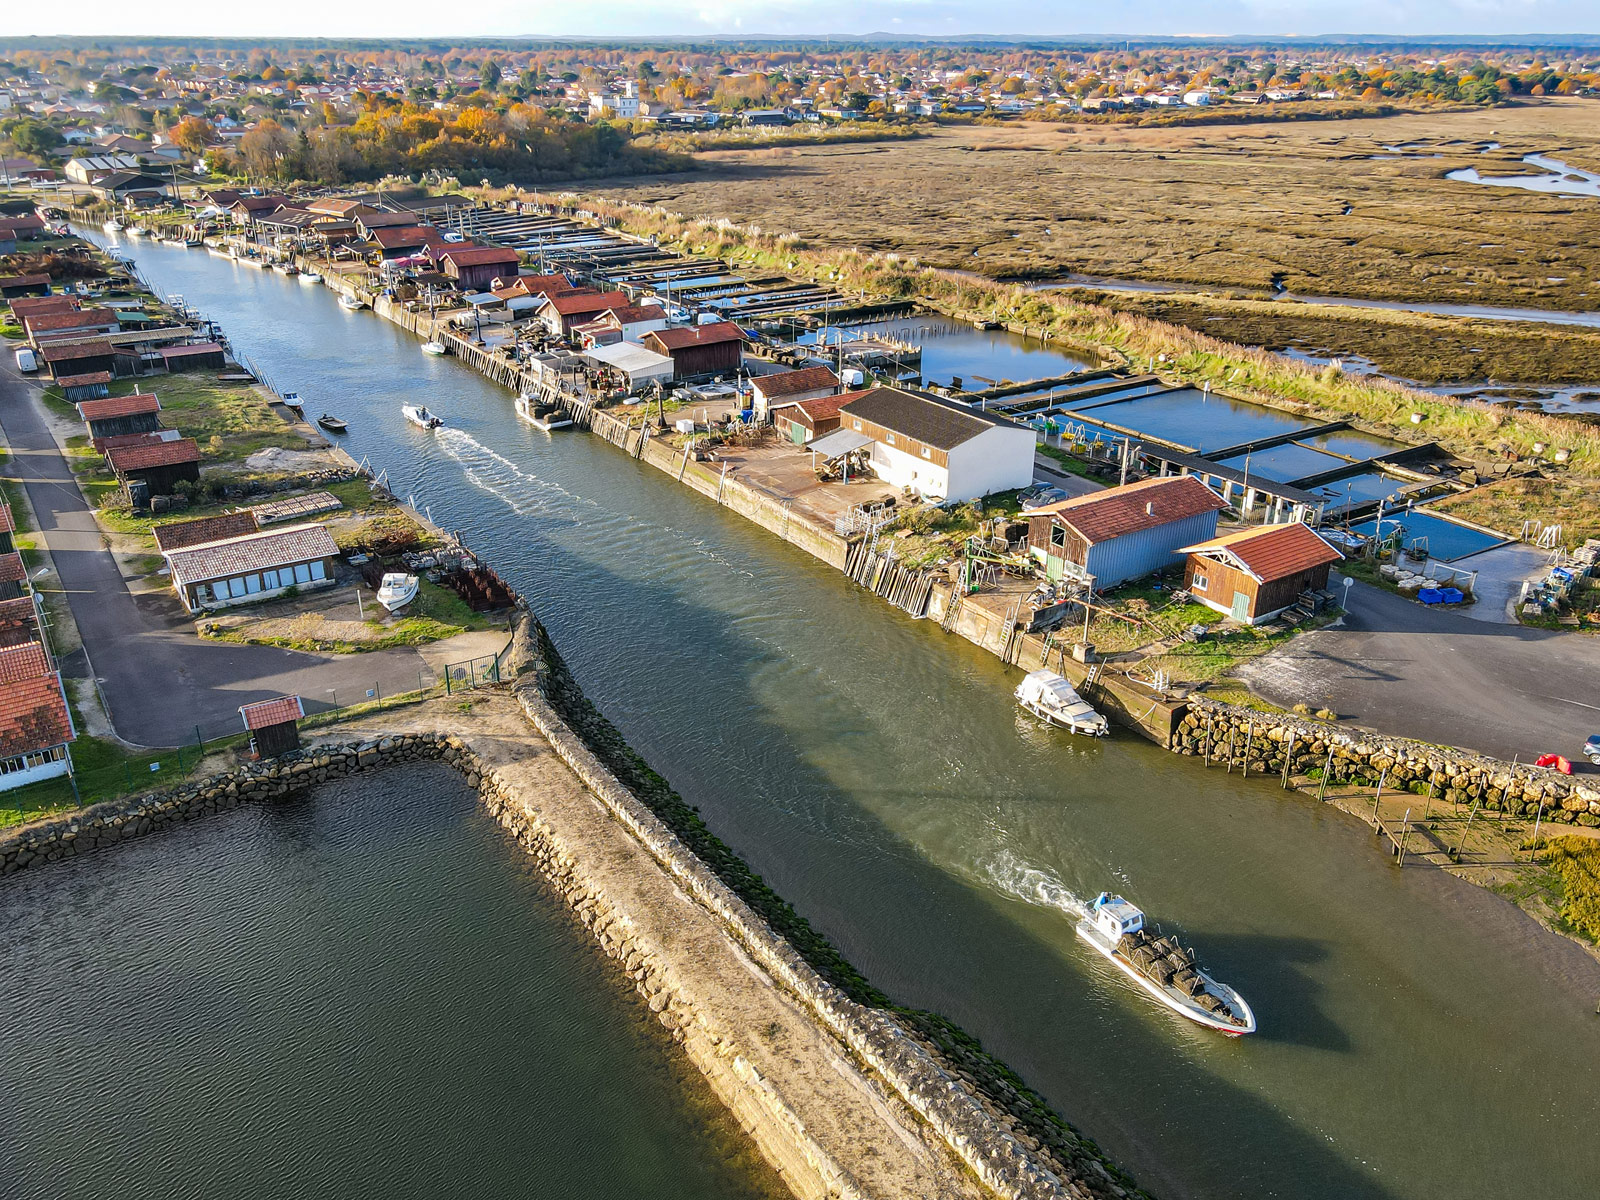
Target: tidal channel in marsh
1420,1039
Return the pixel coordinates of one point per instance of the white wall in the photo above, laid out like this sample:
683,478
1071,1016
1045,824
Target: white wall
997,459
49,770
899,469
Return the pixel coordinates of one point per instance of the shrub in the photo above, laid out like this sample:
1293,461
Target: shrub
1576,862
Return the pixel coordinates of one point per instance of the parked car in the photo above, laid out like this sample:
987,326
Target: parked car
27,360
1040,497
1591,749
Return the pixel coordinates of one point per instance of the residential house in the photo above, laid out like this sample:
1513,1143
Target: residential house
160,465
624,323
372,220
1254,574
13,576
475,268
700,350
35,724
803,421
118,415
24,306
808,383
402,241
937,448
252,567
1125,532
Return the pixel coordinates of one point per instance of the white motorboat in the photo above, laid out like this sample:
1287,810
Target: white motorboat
419,416
540,415
113,226
1050,697
397,590
292,401
353,303
435,348
135,231
310,277
1163,968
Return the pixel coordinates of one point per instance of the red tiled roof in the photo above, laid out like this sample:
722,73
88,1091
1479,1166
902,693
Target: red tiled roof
251,553
24,281
407,235
11,568
628,314
86,380
7,525
119,440
153,454
33,716
99,348
25,660
822,406
698,335
19,621
176,535
81,318
271,712
574,303
533,285
118,406
189,351
477,256
23,305
791,383
1273,551
1137,506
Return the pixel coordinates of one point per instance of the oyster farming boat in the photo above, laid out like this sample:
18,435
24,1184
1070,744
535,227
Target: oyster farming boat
1050,697
1163,968
419,416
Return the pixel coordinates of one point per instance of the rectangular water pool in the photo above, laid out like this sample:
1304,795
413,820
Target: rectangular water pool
1284,463
1189,417
1446,540
1358,489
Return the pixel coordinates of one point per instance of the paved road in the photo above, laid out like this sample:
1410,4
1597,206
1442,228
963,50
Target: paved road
1396,666
159,679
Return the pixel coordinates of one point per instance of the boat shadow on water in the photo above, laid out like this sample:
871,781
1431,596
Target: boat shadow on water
1249,962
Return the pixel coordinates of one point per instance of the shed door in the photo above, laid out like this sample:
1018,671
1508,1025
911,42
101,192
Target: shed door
1241,606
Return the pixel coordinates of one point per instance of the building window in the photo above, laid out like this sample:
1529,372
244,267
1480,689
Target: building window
1058,537
302,573
34,758
858,426
889,437
1199,584
318,571
252,584
926,452
269,580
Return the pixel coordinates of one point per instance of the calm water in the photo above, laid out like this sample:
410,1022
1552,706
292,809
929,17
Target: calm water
363,992
952,349
1420,1038
1561,180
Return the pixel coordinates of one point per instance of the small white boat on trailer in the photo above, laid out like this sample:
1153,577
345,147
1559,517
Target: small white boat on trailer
397,590
435,348
1163,968
419,416
1050,697
540,415
352,303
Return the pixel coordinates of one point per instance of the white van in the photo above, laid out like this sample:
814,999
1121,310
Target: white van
27,360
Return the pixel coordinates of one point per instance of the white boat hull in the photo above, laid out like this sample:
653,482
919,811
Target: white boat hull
1086,728
434,348
310,277
558,420
1170,997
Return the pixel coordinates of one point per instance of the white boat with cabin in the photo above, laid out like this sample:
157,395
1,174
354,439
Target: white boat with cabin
397,590
419,416
1048,696
1163,968
292,401
541,415
113,226
352,303
435,348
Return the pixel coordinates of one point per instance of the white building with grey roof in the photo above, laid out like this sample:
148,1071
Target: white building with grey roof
939,449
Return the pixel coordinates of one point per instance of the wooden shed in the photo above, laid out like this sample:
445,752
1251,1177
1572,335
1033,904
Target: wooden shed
13,576
161,465
202,356
1255,574
273,725
12,286
82,358
699,350
96,385
115,416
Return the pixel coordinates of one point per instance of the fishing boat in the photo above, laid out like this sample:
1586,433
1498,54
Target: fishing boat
292,401
540,415
310,277
113,226
289,268
1050,697
435,348
397,590
419,416
331,423
1163,968
353,303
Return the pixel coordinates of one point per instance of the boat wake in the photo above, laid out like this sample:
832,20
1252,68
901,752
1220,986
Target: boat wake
527,495
1030,884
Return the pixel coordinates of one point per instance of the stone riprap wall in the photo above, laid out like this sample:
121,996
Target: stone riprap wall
1002,1131
115,821
1262,742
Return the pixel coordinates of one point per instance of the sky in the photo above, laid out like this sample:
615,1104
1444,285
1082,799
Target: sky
689,18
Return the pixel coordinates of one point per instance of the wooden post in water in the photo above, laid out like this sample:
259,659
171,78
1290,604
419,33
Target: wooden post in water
1377,797
1405,828
1288,761
1250,737
1230,749
1433,785
1210,721
1462,840
1327,770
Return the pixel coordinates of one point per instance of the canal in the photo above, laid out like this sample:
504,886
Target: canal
358,993
1419,1039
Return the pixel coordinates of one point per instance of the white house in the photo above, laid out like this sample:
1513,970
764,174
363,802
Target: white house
937,448
1197,99
624,107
